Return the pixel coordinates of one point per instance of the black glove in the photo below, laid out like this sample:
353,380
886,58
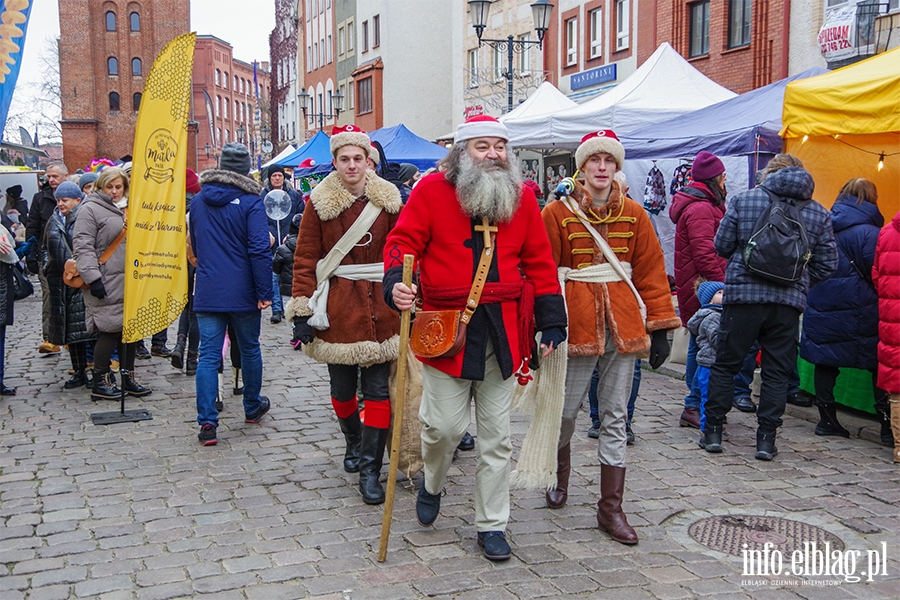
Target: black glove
303,333
659,348
554,335
97,290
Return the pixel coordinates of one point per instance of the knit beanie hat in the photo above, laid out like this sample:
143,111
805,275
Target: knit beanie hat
191,182
14,190
481,126
235,157
274,169
600,141
707,290
349,135
87,178
706,166
68,189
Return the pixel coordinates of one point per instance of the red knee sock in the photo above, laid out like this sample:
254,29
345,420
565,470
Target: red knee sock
378,413
346,408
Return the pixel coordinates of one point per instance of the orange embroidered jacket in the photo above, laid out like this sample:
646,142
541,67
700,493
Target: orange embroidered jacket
592,307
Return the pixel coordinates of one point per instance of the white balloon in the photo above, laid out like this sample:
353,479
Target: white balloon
278,204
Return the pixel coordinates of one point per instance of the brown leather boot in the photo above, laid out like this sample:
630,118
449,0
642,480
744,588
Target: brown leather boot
610,517
557,498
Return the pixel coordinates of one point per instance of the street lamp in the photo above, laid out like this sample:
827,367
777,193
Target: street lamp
337,105
540,12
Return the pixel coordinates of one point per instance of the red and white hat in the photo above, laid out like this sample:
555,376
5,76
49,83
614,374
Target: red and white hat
481,126
307,164
600,141
349,135
374,154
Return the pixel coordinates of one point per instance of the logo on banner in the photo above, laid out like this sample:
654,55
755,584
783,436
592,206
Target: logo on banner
160,153
837,38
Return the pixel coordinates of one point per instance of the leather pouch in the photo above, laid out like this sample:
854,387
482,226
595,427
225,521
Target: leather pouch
437,334
71,277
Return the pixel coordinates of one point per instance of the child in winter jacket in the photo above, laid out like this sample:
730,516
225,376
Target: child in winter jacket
283,261
704,325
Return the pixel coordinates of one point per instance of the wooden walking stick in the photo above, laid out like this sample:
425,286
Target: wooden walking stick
397,422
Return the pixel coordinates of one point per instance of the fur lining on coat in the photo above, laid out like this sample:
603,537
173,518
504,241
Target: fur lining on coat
297,307
330,198
364,354
242,182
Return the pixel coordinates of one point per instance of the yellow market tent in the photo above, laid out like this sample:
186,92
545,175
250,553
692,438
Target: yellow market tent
842,124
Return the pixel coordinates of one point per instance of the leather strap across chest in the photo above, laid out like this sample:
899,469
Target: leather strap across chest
481,273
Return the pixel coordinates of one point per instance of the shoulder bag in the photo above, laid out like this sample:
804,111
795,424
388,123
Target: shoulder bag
70,270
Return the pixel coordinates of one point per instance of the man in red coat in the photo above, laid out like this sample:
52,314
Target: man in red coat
442,227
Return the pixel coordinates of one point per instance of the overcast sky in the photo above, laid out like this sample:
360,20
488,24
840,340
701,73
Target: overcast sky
246,29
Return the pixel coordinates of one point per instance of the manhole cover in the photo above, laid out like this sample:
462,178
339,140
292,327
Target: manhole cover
734,534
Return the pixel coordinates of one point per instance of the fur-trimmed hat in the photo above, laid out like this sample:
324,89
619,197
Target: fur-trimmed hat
481,126
349,135
604,140
374,154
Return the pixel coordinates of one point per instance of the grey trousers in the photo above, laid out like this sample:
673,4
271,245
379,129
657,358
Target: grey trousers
616,373
445,414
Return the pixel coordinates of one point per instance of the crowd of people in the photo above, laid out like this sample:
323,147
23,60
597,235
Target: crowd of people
501,287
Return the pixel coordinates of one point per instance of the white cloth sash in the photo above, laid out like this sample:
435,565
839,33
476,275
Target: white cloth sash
329,266
602,273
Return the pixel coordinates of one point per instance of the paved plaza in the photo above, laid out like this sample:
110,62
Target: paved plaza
141,510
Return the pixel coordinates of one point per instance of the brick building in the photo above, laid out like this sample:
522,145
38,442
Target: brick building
283,57
225,102
105,52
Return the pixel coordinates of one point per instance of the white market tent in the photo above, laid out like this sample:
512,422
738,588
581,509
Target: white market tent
665,86
288,150
545,101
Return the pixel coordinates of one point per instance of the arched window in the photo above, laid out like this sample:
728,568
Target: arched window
136,101
225,80
136,66
110,21
112,66
218,75
135,21
113,102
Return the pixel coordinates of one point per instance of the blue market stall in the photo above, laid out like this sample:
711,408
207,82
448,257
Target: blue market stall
403,146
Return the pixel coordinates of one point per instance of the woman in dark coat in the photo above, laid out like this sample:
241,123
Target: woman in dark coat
98,226
840,325
67,326
7,297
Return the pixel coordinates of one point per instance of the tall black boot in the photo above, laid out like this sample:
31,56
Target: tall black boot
79,379
177,356
351,427
887,435
828,421
190,367
371,455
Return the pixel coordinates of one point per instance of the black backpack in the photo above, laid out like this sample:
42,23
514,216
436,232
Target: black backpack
778,249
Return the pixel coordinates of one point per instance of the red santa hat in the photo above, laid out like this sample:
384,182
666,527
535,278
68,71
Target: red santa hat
600,141
374,154
481,126
306,164
349,135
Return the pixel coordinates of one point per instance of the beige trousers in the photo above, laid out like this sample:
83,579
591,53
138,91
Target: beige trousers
445,414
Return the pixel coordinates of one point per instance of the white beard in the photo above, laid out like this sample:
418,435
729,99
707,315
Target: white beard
490,189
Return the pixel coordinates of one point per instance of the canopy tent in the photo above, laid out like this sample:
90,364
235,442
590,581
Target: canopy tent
842,123
665,87
545,100
742,125
403,146
317,148
281,156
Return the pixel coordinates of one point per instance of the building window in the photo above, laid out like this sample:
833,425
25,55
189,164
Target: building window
135,20
218,77
365,95
225,80
622,24
136,101
739,15
330,49
110,21
596,33
473,68
525,55
136,67
218,105
112,66
315,55
365,36
113,102
351,36
499,63
376,31
571,42
340,41
228,136
218,136
699,33
225,108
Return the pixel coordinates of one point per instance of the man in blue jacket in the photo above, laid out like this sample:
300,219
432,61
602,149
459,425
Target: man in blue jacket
230,238
756,309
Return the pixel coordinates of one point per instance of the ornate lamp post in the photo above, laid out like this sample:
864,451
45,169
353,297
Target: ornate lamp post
540,11
337,105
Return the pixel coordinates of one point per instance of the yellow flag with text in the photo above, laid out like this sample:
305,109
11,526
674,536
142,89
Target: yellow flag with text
156,275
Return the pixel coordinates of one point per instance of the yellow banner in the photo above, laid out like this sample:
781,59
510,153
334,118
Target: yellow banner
155,252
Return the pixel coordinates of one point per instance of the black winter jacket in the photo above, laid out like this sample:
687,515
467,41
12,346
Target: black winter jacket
42,206
67,325
283,264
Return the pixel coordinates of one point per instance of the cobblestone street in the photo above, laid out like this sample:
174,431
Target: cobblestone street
141,510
